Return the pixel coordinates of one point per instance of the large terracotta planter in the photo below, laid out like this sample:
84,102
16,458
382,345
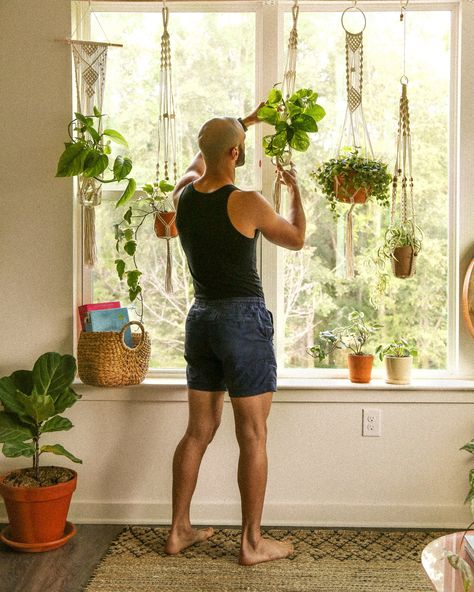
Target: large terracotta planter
37,515
403,260
165,224
345,191
398,370
360,367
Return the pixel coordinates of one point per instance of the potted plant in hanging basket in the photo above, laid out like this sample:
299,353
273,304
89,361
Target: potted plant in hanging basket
352,178
353,336
37,499
398,359
402,244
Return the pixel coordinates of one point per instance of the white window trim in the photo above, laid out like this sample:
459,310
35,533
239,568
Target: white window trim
269,41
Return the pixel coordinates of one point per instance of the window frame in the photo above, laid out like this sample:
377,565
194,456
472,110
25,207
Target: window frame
270,41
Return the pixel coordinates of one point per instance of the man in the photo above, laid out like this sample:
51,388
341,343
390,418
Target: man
229,331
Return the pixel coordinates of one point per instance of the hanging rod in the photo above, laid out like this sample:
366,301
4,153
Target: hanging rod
84,42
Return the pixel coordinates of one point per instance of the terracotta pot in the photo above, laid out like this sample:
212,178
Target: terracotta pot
398,370
344,189
37,514
165,225
403,262
360,367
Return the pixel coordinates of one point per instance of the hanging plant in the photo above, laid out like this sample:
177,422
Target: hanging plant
293,119
156,202
351,178
402,243
87,154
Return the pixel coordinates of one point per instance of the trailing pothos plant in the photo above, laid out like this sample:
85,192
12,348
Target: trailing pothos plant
292,119
88,152
156,198
33,401
356,170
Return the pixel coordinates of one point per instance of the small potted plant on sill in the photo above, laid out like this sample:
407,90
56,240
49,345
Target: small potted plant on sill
37,499
402,244
352,178
353,337
398,360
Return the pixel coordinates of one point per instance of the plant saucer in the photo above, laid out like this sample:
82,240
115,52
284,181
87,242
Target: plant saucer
69,532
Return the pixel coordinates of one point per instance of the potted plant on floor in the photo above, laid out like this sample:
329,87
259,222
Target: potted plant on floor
352,178
402,244
37,499
353,337
398,360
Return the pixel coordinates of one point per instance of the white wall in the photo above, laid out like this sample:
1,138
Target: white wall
322,472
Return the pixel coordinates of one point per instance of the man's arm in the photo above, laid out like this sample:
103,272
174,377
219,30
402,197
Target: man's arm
288,233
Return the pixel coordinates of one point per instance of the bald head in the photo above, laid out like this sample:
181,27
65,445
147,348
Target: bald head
217,136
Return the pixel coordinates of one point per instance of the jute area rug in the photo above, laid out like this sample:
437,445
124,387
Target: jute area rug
325,560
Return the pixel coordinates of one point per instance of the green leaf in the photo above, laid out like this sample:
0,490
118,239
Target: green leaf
81,118
53,373
133,277
128,193
120,267
12,429
122,167
130,247
38,407
293,109
107,149
16,448
65,399
10,398
116,137
166,187
57,424
134,292
95,164
128,216
97,113
300,141
23,380
304,123
60,450
316,112
94,134
274,96
128,234
268,114
469,447
148,188
71,161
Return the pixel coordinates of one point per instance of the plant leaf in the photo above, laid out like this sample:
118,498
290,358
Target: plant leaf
60,450
97,113
120,267
122,167
95,164
16,448
116,137
166,187
57,424
128,216
133,293
469,447
133,277
316,112
12,429
72,159
130,247
128,193
38,407
53,373
269,114
274,96
65,399
23,380
305,123
299,141
10,399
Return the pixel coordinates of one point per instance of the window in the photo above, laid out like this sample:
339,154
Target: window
306,290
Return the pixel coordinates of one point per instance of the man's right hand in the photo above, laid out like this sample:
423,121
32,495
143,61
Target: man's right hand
286,177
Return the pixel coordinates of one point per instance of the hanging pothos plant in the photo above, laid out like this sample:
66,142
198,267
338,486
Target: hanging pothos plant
292,119
87,154
157,199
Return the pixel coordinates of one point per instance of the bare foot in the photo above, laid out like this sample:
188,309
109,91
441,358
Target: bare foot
264,550
178,541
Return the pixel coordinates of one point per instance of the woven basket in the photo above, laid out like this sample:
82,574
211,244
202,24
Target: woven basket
104,359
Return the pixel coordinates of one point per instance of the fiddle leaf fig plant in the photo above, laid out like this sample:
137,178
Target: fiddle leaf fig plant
88,152
33,401
293,119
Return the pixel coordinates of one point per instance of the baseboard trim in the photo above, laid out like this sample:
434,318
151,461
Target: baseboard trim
275,514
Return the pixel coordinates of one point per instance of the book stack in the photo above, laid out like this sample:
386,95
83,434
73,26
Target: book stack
105,316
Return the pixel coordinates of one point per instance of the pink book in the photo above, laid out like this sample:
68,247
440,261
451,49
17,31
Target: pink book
85,308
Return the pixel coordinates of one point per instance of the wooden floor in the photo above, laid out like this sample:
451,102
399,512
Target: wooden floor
64,570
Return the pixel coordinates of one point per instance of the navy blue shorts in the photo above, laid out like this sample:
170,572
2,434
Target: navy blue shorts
229,346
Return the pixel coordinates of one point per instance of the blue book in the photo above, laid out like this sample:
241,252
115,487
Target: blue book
110,319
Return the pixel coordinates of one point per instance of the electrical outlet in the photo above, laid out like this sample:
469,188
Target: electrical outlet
371,422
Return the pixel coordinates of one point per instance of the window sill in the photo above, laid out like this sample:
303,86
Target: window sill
301,390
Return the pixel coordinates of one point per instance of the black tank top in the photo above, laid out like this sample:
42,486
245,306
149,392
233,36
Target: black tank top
222,260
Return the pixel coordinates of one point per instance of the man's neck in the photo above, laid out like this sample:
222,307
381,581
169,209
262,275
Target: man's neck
216,176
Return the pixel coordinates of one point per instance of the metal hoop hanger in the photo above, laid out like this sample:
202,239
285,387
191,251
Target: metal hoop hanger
353,7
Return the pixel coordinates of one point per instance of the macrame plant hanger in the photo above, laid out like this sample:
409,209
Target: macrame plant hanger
90,61
402,211
354,130
288,88
166,162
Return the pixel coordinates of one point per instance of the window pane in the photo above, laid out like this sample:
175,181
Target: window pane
213,62
317,296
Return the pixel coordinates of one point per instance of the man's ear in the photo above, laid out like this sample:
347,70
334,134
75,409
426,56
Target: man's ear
234,152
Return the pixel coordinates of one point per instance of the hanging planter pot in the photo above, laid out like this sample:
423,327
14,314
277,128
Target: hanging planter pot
360,367
403,262
165,224
345,191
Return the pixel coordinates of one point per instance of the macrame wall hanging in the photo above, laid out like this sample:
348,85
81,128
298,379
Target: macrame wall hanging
166,163
90,64
288,88
354,130
403,234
